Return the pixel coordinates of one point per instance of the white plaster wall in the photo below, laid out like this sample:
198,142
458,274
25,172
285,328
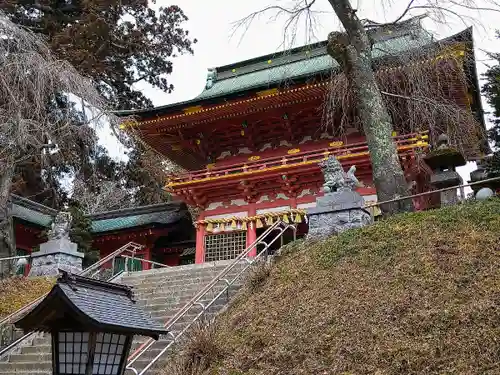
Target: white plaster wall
273,209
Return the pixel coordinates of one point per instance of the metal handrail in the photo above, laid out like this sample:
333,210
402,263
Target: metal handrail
12,345
280,225
15,257
93,270
146,261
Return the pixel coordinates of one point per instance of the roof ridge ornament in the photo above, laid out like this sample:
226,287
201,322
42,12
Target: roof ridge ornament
211,78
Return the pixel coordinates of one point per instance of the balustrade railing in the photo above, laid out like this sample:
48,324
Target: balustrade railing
266,239
107,268
405,144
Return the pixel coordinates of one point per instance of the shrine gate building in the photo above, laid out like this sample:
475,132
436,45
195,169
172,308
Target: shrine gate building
250,143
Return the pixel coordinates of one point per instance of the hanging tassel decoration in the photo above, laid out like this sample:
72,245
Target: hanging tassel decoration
298,219
210,227
258,224
285,219
233,224
222,226
244,226
269,220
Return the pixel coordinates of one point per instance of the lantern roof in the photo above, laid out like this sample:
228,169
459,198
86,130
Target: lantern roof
84,304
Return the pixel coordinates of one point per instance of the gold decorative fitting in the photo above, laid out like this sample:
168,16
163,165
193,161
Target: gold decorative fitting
336,144
198,141
254,158
194,109
269,61
266,93
234,70
293,151
210,166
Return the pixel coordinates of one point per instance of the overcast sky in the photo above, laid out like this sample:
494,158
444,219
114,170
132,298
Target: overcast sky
212,23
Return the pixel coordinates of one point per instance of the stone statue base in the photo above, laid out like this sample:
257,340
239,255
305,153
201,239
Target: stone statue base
54,255
336,212
444,179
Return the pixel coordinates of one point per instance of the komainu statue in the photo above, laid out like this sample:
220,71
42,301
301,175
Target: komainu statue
60,226
335,177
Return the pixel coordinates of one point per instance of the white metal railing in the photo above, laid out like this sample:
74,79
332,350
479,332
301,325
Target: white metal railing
10,336
10,266
279,226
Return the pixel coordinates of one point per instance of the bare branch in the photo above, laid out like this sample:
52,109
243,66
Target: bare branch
294,14
369,23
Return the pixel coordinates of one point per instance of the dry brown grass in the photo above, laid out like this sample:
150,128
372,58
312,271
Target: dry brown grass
415,294
198,353
258,275
15,292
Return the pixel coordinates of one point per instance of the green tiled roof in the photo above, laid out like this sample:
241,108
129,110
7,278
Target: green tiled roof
38,214
117,223
280,68
31,212
310,62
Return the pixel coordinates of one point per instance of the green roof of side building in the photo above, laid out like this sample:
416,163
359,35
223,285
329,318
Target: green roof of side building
42,216
31,212
278,69
164,214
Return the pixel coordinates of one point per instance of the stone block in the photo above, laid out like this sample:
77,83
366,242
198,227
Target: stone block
445,179
54,255
337,212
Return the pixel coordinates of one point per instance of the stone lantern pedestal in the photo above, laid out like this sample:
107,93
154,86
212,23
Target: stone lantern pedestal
443,162
58,253
55,255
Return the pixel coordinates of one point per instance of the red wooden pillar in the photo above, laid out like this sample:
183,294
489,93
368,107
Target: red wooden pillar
251,230
200,242
147,256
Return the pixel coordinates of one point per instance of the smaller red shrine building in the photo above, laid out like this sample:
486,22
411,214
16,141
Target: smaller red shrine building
165,230
250,143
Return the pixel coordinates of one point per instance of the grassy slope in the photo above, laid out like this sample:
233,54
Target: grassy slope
16,292
415,294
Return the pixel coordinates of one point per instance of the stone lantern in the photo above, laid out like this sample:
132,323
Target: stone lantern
92,324
443,162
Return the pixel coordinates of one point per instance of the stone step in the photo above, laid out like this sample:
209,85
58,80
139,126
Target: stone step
166,314
181,269
177,283
169,301
24,371
11,367
45,356
139,277
157,304
134,280
37,349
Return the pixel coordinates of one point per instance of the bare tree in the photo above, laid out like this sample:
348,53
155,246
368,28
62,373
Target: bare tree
356,85
109,196
32,82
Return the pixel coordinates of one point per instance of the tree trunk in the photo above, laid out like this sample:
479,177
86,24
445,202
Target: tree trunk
6,232
353,52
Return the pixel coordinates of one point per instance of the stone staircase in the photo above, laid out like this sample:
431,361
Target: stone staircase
161,292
